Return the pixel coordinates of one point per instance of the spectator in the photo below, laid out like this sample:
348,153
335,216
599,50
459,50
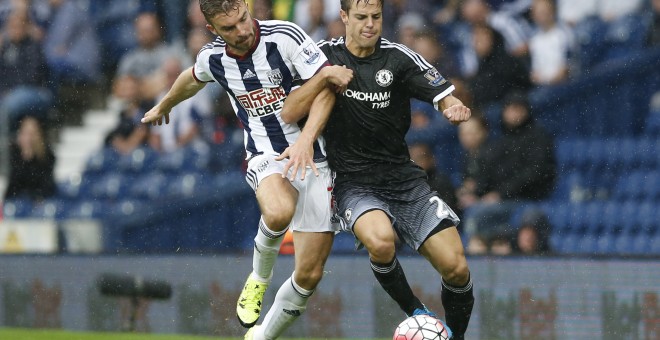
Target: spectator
71,45
523,163
303,8
515,32
521,167
534,233
573,12
427,44
397,9
262,9
114,23
151,52
316,27
336,28
408,26
550,47
32,163
422,155
498,72
653,35
23,73
186,119
129,133
610,10
473,136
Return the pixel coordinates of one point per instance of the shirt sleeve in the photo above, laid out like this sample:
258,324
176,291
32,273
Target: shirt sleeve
202,69
306,57
422,79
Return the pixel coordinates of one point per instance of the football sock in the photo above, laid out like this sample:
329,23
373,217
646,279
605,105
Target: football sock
266,247
290,302
458,302
392,278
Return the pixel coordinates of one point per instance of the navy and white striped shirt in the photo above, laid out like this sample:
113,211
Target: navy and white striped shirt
258,82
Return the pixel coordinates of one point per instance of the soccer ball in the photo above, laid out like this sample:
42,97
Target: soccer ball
421,327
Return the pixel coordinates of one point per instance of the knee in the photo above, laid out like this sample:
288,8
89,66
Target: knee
381,250
277,218
310,278
457,273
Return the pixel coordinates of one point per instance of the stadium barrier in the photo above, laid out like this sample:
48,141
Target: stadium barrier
516,298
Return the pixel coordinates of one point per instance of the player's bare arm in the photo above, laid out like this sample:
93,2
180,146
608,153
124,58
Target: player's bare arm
454,110
183,88
298,103
301,153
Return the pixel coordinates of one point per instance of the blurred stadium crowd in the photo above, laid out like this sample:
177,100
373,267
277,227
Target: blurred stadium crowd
562,155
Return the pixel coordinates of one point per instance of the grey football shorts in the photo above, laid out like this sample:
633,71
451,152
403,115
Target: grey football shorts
415,213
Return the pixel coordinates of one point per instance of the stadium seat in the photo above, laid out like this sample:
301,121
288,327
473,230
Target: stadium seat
625,36
17,208
137,161
85,209
103,161
50,209
150,186
184,184
111,186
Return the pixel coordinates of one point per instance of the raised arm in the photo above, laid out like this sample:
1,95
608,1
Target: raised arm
183,88
301,153
298,103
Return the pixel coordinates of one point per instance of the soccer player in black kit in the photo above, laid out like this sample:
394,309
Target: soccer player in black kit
379,190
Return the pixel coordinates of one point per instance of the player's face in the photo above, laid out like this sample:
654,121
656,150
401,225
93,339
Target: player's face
364,23
235,28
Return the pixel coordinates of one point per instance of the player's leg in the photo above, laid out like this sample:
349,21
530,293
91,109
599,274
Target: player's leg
374,229
277,201
313,235
311,252
444,250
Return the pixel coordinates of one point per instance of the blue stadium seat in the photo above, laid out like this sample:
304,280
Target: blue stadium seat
138,161
646,152
85,209
654,244
150,186
184,184
50,209
625,36
111,186
103,161
651,188
17,208
605,244
590,34
630,186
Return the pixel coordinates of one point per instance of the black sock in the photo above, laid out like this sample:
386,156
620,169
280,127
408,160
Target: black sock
392,278
458,302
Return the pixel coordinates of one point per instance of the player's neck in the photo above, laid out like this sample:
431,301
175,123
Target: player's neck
357,50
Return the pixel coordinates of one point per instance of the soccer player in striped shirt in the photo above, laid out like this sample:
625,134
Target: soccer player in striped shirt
256,62
380,192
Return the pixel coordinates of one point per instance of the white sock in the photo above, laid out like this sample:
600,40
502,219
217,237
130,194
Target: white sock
266,247
290,303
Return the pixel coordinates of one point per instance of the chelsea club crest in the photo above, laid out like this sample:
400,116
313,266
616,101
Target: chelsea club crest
384,78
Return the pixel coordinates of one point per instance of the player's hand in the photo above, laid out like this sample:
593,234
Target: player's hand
300,155
155,116
457,114
339,76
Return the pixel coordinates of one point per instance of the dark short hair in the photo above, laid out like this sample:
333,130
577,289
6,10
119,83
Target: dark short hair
211,8
517,97
346,4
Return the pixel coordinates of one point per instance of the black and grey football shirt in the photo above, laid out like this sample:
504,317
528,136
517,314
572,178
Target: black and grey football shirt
365,134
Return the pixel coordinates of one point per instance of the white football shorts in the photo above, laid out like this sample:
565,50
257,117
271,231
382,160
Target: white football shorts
313,209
